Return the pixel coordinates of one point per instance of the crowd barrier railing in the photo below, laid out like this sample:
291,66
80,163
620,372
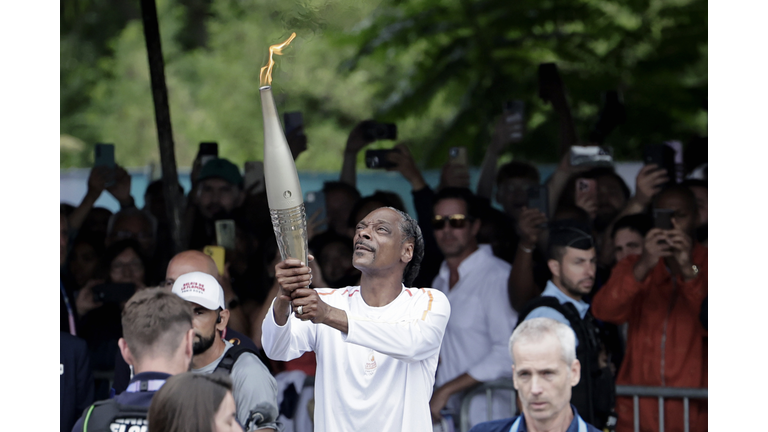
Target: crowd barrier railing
686,394
488,388
636,392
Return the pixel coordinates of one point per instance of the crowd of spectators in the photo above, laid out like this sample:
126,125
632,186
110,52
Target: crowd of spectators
632,289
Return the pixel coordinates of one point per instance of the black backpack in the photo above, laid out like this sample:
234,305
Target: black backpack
231,356
109,416
595,395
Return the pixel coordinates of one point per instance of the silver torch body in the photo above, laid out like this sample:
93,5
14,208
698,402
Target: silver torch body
286,203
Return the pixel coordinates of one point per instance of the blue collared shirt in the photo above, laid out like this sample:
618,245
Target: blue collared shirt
552,290
506,425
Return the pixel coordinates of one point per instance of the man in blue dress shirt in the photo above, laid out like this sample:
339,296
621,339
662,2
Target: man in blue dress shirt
544,369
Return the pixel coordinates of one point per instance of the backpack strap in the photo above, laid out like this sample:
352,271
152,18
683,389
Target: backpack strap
100,415
541,301
578,325
228,362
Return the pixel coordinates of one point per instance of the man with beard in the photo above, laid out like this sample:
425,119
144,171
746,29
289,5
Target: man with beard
573,263
187,262
475,281
217,194
255,390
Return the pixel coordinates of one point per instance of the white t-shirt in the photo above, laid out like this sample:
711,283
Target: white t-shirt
477,336
379,376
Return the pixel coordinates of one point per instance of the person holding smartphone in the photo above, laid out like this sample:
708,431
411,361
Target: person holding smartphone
659,293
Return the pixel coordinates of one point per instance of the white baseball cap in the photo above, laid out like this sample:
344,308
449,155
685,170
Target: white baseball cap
200,288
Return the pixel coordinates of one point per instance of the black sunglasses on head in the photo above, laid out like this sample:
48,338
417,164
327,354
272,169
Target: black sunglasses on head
455,221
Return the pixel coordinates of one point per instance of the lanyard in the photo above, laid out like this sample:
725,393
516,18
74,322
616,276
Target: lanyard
141,386
516,424
70,314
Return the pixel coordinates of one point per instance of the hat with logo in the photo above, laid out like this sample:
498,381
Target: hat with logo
200,288
223,169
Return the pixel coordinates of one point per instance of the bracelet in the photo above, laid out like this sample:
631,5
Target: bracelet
524,249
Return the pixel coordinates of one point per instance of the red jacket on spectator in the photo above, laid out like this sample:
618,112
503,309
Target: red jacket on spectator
666,343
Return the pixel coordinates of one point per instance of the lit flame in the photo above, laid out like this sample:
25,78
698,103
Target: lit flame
266,72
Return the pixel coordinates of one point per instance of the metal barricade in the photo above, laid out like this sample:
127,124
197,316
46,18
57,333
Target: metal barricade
636,392
487,388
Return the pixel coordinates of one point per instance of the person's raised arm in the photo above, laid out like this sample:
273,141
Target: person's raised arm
502,136
521,286
648,183
97,181
406,166
693,283
614,302
121,189
559,179
355,142
551,89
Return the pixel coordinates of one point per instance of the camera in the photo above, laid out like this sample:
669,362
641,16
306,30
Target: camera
378,159
375,131
591,156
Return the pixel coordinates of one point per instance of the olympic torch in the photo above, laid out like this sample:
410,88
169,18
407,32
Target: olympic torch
286,204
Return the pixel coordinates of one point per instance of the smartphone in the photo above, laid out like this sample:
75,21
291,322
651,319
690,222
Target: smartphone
663,156
225,234
208,150
548,77
376,131
314,202
514,114
458,156
104,156
611,115
292,121
218,254
253,180
586,187
662,218
113,292
378,159
677,147
538,199
591,156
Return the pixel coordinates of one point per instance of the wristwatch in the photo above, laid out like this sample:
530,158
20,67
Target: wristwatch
695,270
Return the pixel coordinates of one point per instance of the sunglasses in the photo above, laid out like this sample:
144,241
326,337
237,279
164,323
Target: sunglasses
455,221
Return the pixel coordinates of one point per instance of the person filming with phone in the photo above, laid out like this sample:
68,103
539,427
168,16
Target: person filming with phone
659,293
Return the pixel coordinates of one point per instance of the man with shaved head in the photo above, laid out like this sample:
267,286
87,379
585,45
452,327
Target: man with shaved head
192,261
376,344
188,262
184,262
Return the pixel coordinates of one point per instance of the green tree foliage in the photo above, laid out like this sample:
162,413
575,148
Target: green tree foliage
477,54
213,81
439,68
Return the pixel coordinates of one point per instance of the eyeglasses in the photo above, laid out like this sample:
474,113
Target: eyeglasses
455,221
